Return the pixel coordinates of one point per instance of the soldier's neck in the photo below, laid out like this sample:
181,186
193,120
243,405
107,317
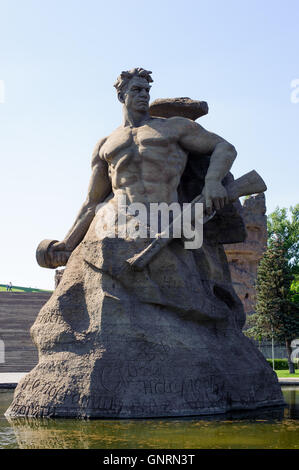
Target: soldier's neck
134,119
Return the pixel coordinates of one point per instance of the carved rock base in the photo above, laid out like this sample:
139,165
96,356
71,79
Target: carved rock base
109,349
179,369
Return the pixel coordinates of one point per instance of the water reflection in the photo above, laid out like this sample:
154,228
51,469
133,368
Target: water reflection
291,395
267,428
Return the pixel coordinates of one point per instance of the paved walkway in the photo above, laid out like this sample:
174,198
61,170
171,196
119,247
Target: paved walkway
11,379
288,380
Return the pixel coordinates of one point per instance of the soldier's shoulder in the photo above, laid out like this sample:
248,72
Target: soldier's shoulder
173,121
99,144
182,125
180,121
96,151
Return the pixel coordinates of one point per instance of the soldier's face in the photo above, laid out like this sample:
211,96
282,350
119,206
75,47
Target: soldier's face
136,96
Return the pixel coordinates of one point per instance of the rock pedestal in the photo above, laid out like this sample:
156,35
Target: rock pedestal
110,350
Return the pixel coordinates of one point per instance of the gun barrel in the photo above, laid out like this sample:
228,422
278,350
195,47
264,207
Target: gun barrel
250,183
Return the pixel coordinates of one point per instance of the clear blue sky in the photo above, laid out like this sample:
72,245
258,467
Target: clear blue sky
59,60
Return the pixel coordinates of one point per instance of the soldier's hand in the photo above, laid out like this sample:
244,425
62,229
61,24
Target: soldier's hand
58,255
215,196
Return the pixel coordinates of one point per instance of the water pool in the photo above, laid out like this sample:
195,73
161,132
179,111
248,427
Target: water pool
266,429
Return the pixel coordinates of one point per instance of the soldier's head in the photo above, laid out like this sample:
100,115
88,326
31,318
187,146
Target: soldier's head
133,88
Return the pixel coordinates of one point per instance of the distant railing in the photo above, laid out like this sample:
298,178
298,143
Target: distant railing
266,349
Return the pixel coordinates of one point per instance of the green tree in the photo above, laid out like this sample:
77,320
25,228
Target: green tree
277,309
295,289
283,226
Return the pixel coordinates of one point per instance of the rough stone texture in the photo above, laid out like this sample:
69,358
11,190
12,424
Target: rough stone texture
165,341
244,257
108,352
58,276
111,348
168,107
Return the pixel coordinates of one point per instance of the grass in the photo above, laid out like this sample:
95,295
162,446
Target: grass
285,373
21,289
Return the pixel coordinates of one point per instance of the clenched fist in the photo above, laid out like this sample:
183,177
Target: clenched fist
57,254
215,196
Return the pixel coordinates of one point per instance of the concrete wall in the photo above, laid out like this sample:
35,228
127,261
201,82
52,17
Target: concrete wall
18,312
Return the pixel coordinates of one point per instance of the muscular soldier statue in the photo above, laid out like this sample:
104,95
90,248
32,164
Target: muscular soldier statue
165,340
145,158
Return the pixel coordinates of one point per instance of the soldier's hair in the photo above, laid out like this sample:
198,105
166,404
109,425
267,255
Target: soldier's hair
125,76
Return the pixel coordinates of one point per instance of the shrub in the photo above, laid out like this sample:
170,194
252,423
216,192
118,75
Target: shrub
280,364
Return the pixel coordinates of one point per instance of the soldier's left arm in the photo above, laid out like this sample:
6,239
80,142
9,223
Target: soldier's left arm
193,137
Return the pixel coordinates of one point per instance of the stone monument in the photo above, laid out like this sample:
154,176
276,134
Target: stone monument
140,326
244,257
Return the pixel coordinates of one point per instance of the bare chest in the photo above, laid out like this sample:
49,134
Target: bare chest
147,155
126,140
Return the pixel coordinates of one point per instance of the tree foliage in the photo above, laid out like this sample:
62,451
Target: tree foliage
277,306
283,226
277,309
294,290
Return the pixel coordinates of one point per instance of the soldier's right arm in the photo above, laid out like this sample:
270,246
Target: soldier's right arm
98,190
